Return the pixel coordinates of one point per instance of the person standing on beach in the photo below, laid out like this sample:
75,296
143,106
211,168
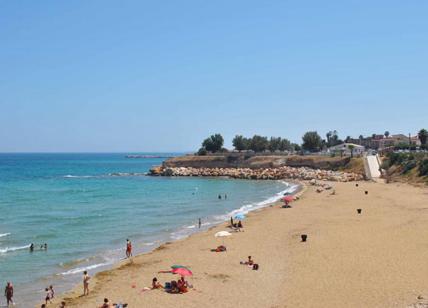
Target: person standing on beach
86,278
199,223
8,293
128,248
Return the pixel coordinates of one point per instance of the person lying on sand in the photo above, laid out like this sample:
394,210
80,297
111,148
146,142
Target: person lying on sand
219,249
250,261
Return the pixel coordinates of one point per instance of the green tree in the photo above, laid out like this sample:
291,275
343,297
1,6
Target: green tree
311,141
296,147
258,143
386,134
423,136
351,147
240,143
214,143
274,143
285,145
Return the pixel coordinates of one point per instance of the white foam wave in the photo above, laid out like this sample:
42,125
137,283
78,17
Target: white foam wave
4,234
245,209
9,249
86,268
78,176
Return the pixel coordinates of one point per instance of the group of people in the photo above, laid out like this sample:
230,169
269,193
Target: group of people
219,196
42,247
107,304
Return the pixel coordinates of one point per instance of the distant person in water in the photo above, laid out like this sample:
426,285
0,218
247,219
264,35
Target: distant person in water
128,249
225,196
8,293
219,196
86,279
199,223
31,247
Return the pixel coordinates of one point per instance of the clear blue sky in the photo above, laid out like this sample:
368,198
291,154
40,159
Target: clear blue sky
163,75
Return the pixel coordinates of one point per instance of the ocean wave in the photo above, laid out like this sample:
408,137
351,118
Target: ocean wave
113,174
4,234
127,174
79,176
245,209
9,249
78,270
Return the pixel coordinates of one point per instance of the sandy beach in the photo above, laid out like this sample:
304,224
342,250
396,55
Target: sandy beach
376,259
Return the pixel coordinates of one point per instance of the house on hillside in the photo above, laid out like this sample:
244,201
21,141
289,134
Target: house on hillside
346,148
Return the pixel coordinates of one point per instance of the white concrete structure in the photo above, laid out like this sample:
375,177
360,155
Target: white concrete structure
345,148
373,164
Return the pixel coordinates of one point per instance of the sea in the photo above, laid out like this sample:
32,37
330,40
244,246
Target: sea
85,206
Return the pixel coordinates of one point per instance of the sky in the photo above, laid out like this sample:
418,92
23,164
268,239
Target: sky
135,76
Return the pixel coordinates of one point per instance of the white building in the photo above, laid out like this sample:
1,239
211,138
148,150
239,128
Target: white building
345,149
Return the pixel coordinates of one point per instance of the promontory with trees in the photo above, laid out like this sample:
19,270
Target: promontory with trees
260,157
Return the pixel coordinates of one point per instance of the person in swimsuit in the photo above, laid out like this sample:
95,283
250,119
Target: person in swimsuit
128,248
8,293
31,247
62,305
48,296
52,291
199,223
156,284
86,278
106,304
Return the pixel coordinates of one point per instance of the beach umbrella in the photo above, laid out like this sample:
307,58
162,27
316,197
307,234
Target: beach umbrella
288,198
222,234
240,216
175,266
182,271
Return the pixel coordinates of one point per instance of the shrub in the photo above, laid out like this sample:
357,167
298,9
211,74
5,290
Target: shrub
423,167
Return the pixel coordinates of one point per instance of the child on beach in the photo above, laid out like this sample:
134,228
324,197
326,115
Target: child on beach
86,278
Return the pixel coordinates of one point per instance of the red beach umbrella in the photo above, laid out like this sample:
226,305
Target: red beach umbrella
288,198
182,271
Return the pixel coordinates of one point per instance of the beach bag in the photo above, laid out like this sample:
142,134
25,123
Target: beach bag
167,285
255,266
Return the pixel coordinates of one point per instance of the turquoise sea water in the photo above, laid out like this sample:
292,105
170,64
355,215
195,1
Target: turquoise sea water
84,206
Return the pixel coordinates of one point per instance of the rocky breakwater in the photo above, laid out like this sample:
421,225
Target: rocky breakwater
284,172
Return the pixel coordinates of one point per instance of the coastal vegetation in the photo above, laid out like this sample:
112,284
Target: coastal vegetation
311,142
409,166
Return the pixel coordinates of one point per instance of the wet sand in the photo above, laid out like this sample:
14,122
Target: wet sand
376,259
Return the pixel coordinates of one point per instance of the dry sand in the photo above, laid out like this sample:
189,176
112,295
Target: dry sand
376,259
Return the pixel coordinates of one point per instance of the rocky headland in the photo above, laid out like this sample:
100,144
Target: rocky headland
244,166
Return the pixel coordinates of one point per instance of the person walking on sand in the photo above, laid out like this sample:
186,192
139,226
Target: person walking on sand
86,278
128,248
48,297
8,293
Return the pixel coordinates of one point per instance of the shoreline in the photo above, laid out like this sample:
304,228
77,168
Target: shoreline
159,244
376,259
